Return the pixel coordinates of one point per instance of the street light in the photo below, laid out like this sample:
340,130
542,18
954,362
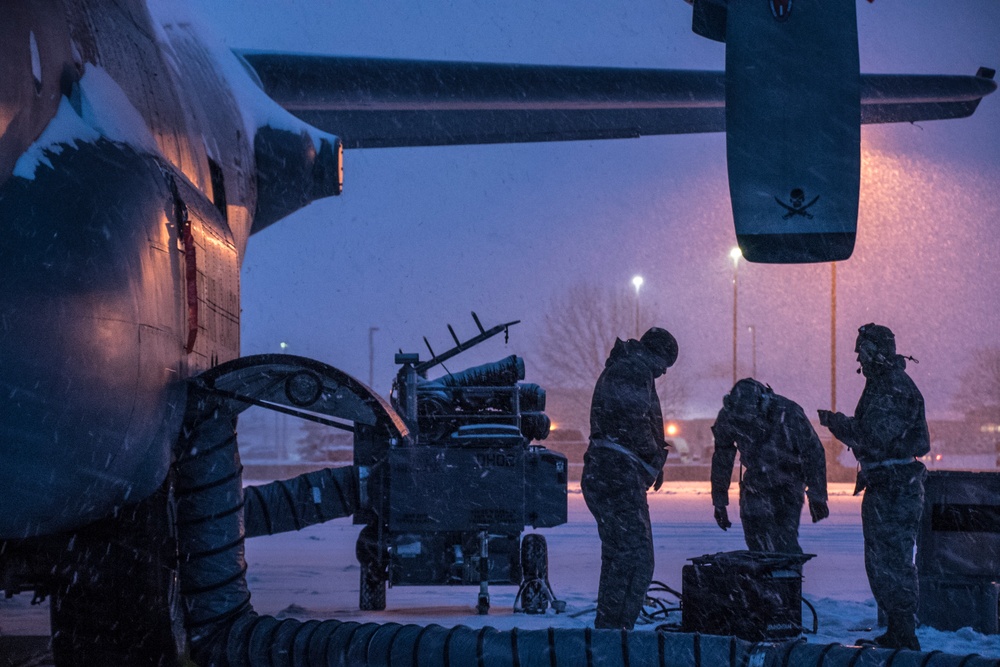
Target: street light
753,347
735,255
371,356
637,283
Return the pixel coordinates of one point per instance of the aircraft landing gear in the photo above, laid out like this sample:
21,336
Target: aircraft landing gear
116,598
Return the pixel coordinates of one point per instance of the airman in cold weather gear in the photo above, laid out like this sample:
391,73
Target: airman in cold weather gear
625,457
783,459
886,434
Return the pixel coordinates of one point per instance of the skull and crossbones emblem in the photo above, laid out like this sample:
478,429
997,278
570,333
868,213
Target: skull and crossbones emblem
795,207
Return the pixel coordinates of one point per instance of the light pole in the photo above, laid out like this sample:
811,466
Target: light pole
833,336
753,350
637,283
371,356
735,254
280,423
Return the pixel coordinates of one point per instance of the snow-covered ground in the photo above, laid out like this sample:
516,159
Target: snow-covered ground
314,574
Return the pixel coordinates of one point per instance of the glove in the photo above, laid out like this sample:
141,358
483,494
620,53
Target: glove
837,422
818,510
659,481
722,518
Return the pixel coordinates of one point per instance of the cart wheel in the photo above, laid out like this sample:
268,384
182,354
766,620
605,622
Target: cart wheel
535,572
534,557
371,592
534,597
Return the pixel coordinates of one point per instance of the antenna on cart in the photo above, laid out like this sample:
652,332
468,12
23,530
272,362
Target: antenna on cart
484,334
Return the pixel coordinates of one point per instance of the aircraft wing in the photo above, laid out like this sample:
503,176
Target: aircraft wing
895,98
376,103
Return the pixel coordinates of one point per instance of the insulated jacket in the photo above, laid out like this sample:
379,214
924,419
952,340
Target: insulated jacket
781,452
625,408
889,423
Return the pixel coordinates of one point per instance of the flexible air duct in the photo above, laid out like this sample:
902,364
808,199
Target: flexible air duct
294,504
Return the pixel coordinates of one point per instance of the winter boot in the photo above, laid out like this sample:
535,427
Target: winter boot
900,634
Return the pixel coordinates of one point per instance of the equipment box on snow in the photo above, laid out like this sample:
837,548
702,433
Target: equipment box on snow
755,596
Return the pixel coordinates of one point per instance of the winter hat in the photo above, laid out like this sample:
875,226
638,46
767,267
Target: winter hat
881,336
746,396
661,343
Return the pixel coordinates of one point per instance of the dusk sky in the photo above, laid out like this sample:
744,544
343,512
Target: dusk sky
423,236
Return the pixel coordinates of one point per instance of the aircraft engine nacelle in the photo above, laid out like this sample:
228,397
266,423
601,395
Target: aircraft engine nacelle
292,171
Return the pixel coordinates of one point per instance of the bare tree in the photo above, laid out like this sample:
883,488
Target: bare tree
979,389
580,328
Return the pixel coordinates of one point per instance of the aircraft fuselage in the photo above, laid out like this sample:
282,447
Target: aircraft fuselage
123,225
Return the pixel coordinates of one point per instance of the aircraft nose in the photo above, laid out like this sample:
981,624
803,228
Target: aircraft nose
83,427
